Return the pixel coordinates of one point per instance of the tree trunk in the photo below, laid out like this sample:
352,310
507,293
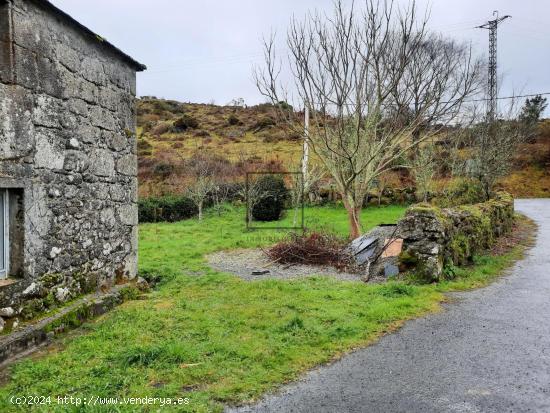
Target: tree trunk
200,211
416,138
486,188
355,224
354,219
218,206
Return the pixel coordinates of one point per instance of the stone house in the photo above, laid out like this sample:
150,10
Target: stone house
68,166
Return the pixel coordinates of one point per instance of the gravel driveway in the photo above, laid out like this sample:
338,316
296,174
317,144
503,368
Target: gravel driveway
488,352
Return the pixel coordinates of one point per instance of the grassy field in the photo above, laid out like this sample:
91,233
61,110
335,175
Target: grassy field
217,339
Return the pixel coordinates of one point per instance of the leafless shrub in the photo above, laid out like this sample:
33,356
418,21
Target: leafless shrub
302,185
489,147
381,183
423,167
205,172
201,133
234,133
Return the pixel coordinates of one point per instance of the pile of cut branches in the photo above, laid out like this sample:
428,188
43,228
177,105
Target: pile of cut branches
313,249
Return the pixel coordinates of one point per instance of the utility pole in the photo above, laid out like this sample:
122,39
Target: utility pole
492,26
305,156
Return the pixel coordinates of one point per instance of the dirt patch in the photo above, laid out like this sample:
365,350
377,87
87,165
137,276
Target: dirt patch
523,233
253,264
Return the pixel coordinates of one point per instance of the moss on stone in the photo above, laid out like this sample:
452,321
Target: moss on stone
50,301
407,258
424,208
71,319
129,293
87,281
32,308
51,279
454,234
460,249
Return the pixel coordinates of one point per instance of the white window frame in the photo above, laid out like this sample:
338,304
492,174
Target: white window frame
5,233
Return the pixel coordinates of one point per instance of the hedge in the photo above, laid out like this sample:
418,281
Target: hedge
272,200
166,209
172,208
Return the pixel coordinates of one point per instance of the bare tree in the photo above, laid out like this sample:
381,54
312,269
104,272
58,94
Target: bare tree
220,194
372,84
202,170
423,167
253,193
490,148
436,80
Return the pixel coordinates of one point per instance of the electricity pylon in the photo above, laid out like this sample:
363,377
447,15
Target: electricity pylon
492,26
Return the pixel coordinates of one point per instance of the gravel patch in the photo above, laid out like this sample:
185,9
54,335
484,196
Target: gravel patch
253,264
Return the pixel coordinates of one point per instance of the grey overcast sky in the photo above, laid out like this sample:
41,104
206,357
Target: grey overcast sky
204,50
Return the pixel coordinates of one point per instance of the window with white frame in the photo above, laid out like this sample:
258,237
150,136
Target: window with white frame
4,234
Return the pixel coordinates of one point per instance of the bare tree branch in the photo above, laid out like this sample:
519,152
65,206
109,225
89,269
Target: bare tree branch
376,83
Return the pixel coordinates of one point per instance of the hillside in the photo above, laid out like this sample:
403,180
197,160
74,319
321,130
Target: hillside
231,131
252,138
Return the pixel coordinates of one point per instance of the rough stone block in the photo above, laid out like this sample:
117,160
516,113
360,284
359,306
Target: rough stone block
128,214
49,150
102,162
6,54
127,165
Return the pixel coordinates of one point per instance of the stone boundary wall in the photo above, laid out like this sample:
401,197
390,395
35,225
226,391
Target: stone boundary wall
434,238
30,337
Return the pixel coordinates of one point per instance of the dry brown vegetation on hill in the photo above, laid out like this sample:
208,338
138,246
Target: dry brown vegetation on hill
195,126
252,138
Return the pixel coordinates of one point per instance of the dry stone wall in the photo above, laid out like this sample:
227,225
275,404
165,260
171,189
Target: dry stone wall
437,237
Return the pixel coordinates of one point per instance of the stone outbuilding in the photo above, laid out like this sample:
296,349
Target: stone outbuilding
68,165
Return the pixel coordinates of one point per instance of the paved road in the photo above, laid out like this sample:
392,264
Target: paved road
488,352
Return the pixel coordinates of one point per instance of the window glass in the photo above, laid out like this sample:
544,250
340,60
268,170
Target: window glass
2,236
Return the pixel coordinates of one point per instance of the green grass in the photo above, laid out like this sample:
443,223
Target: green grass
217,339
173,249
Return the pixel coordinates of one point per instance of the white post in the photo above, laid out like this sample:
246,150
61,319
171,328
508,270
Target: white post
305,157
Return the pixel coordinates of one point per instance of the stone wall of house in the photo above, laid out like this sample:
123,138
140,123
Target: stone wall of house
67,141
437,237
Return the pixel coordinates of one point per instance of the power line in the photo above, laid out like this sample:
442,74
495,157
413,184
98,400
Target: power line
448,101
202,62
509,97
